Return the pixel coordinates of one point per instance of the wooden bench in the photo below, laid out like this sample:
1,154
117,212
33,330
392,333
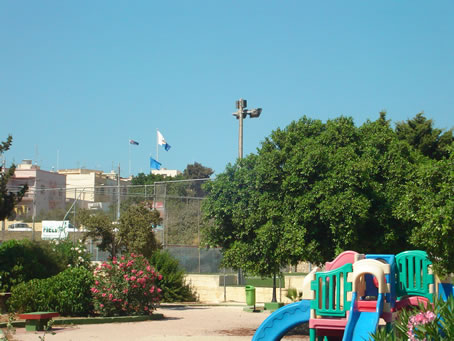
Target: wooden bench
37,321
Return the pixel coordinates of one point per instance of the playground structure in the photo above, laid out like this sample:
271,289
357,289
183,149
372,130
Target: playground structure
355,294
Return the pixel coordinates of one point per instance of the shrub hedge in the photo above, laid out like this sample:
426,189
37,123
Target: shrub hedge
23,260
67,293
173,285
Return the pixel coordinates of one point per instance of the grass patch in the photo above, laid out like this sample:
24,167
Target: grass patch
264,282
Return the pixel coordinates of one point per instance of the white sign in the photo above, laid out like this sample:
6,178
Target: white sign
56,229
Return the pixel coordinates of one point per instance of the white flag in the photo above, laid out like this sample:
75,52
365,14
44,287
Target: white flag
162,141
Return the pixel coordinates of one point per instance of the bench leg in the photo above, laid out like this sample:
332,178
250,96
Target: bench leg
36,325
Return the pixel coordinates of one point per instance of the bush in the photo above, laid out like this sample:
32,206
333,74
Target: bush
174,288
129,286
68,293
23,260
69,253
436,322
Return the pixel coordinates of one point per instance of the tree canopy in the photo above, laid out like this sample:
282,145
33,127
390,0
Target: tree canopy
420,133
8,198
428,206
313,190
133,233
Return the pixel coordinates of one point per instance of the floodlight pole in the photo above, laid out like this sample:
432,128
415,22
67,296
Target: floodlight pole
241,105
240,114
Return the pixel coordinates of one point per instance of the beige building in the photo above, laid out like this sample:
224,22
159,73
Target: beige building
166,172
92,188
46,190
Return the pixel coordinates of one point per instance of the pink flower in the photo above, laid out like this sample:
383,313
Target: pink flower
159,290
148,268
104,294
151,290
110,296
133,278
96,282
160,277
418,319
140,273
101,305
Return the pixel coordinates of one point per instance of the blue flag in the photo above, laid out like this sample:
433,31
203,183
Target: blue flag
154,164
133,142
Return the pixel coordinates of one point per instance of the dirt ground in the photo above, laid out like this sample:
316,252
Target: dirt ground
179,323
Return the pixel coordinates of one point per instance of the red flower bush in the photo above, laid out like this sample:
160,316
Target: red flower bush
126,286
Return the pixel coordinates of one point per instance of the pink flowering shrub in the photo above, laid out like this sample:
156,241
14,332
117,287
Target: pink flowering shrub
434,322
126,286
419,319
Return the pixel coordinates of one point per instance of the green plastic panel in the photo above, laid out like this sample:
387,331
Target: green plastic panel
414,278
331,288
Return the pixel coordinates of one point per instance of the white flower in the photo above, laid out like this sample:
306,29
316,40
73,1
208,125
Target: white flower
80,251
69,265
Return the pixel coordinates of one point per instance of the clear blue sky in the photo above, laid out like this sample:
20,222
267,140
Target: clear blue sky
80,78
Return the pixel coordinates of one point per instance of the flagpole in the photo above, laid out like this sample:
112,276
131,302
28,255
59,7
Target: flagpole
157,144
129,157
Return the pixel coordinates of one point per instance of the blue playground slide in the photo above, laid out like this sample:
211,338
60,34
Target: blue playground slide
282,320
361,324
445,290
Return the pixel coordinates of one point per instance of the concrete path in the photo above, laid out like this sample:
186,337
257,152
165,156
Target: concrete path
214,323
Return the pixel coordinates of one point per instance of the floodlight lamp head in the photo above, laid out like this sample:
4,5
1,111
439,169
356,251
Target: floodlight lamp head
255,112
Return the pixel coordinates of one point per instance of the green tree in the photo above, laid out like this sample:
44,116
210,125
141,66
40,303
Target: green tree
246,221
197,171
420,133
133,233
428,207
313,190
147,179
8,199
136,229
100,227
173,284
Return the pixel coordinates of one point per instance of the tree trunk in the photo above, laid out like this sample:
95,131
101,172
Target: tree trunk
274,288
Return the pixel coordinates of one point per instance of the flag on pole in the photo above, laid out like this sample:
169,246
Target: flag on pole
133,142
162,141
154,164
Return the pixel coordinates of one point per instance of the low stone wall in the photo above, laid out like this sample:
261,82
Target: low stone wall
210,289
19,235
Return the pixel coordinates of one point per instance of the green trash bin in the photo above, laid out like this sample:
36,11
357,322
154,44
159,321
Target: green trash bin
250,295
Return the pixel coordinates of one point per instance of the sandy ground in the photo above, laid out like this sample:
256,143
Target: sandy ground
203,323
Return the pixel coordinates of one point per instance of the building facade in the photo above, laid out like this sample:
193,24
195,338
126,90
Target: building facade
166,172
94,189
46,190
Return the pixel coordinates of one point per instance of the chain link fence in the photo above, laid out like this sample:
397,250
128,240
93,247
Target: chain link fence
178,202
